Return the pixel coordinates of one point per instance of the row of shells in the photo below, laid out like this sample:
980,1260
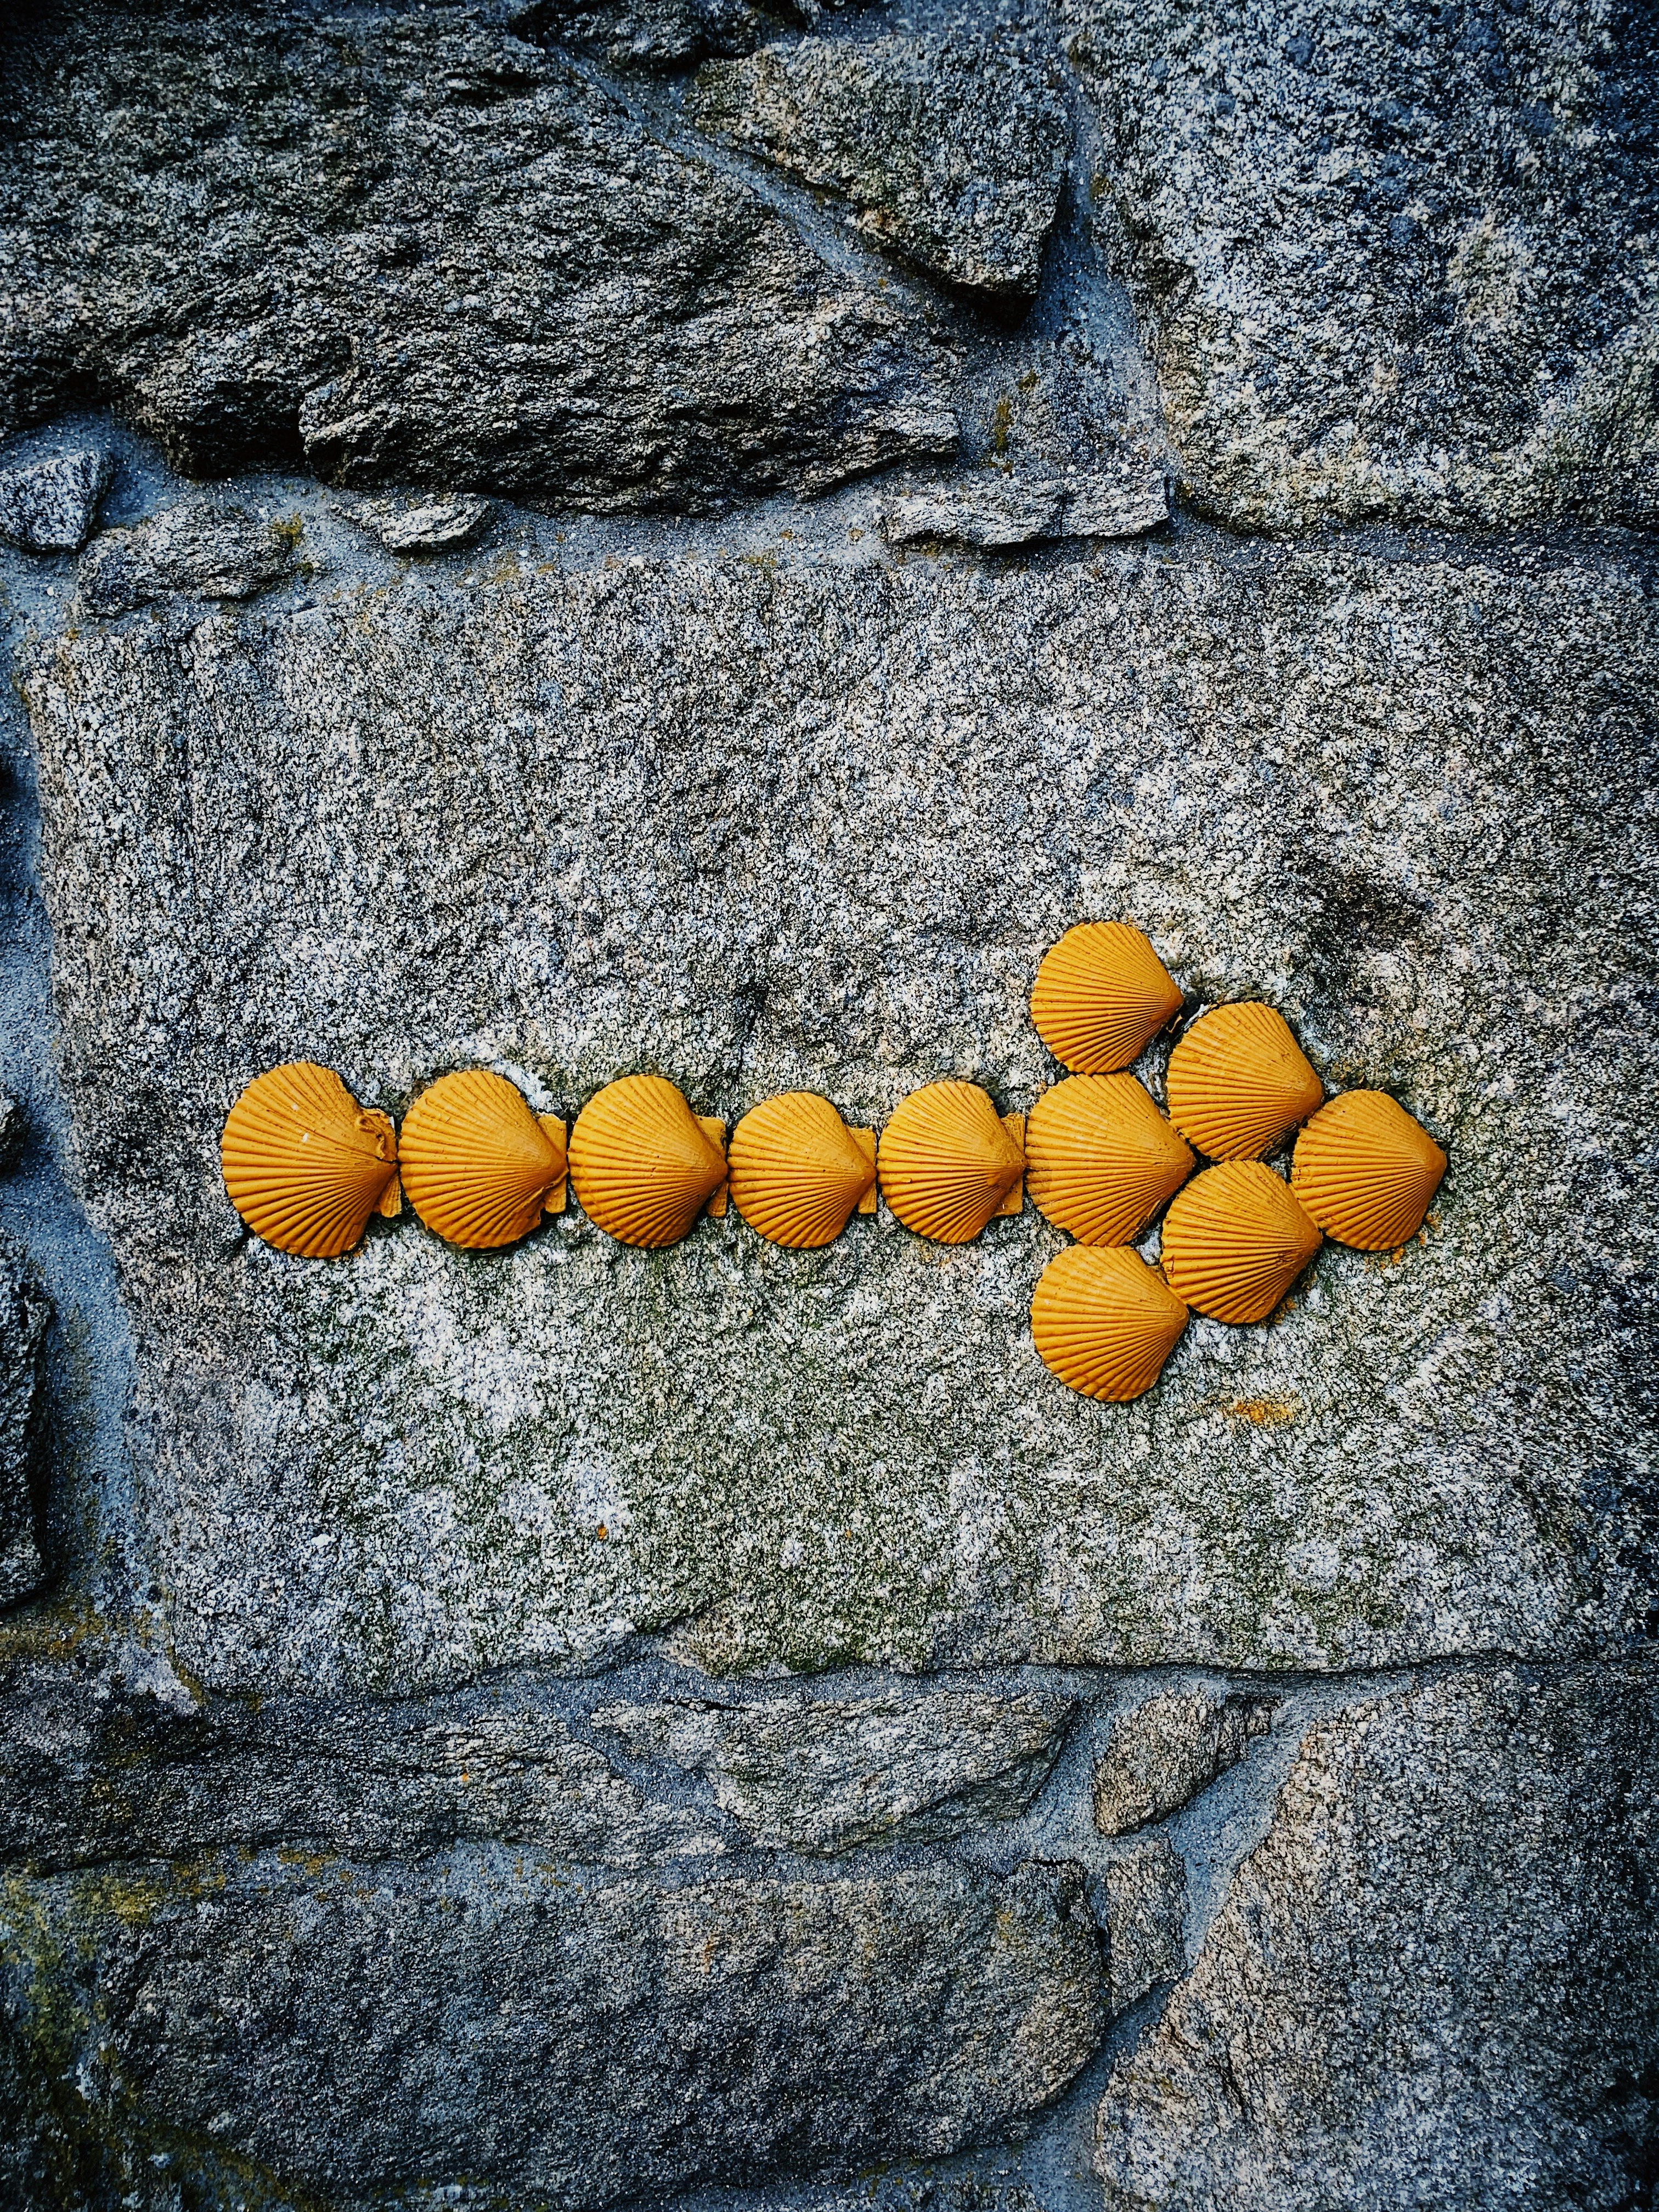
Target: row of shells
306,1166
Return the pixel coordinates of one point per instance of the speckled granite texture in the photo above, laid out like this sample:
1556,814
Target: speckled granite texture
813,825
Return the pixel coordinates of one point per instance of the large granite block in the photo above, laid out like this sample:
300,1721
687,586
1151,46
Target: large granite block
489,2020
812,823
1434,1981
413,245
1390,261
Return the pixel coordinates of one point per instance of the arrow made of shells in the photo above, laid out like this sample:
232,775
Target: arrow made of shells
306,1166
1103,1161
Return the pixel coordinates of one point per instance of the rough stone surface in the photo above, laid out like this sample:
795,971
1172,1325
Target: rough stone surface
993,511
950,150
1059,414
486,2018
926,2190
1434,1981
430,526
13,1122
997,511
838,1773
1120,503
1145,1904
650,34
663,36
1160,1754
1391,263
50,505
99,1763
414,247
812,823
22,1333
188,548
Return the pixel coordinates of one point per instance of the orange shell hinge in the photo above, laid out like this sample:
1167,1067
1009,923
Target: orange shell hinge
715,1129
866,1141
1015,1201
558,1197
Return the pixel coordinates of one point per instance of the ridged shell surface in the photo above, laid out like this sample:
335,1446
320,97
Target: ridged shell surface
1365,1170
1238,1082
1103,1322
1100,994
797,1170
947,1162
304,1164
1100,1159
643,1165
479,1167
1234,1240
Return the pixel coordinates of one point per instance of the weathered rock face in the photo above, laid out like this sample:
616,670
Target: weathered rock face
1163,1753
1391,264
951,151
482,2017
830,1775
414,246
664,36
650,34
364,1781
191,547
1146,1901
1434,1981
50,505
813,825
22,1331
349,1948
1024,508
424,525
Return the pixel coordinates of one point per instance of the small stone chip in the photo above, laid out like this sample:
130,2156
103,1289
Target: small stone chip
50,507
430,526
997,512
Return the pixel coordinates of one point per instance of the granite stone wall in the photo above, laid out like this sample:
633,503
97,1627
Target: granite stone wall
688,537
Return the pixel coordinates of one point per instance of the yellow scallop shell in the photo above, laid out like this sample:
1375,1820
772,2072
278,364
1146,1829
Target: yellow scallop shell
1234,1240
1238,1082
1100,1159
1100,996
1103,1322
797,1170
479,1167
305,1164
645,1166
948,1161
1365,1170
